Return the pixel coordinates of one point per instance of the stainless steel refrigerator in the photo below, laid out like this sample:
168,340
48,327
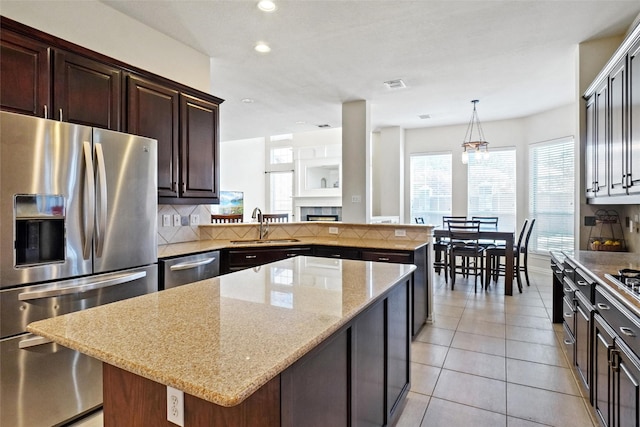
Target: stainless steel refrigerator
78,229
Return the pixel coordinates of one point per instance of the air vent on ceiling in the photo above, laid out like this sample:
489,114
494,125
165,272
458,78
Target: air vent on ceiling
425,116
324,126
395,84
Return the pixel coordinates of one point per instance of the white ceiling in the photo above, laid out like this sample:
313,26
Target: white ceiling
517,57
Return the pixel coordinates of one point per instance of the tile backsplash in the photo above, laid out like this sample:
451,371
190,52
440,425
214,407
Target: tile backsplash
185,232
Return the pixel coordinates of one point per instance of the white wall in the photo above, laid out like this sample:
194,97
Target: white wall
98,27
242,169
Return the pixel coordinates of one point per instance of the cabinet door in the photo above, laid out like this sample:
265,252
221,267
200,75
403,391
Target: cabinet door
199,148
627,400
369,377
633,159
25,69
398,348
153,112
86,92
602,378
590,149
583,335
618,122
601,139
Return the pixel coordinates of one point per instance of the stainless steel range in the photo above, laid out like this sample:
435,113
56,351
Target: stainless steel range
628,281
77,230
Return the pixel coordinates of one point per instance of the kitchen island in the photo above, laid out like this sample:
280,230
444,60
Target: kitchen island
301,341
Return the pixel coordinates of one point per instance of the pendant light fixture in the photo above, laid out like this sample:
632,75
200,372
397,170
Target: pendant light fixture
480,145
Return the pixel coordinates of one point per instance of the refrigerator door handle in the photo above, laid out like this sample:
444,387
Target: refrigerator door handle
90,200
33,342
102,200
105,282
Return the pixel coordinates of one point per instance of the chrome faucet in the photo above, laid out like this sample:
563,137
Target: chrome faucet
264,226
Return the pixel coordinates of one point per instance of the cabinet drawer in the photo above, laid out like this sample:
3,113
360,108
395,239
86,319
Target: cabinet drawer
585,284
249,258
402,258
568,288
336,252
621,320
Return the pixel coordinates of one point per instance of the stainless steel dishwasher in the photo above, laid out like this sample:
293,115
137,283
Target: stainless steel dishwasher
186,269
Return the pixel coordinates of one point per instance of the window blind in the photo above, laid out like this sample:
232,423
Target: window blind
551,195
430,176
491,186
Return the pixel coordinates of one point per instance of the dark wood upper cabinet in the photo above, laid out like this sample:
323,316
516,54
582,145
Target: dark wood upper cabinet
633,160
25,70
198,148
86,92
153,111
612,150
44,76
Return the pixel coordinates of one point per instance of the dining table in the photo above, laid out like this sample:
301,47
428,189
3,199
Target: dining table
506,236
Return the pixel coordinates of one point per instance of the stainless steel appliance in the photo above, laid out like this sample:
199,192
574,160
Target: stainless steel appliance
77,230
190,268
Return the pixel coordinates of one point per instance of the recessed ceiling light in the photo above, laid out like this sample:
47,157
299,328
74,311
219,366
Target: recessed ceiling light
247,100
425,116
267,6
262,47
301,122
325,125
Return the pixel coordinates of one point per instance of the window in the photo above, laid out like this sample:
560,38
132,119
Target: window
280,175
551,195
430,176
491,186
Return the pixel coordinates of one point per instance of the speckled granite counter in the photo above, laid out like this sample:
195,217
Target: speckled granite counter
222,339
185,248
599,263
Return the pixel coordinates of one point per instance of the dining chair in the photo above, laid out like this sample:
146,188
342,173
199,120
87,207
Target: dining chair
230,218
441,247
524,250
487,223
464,244
496,268
276,217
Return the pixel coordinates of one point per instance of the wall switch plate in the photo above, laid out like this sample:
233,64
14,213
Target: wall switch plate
194,219
175,406
356,199
333,230
176,220
401,233
166,220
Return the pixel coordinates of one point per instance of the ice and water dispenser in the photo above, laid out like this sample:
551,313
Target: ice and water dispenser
39,229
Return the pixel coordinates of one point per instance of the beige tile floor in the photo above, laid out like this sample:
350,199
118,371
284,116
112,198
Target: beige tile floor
493,360
488,360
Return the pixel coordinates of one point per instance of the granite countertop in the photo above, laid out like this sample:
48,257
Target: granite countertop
599,263
222,339
186,248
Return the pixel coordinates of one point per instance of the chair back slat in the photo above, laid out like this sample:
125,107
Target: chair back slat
230,218
487,222
276,217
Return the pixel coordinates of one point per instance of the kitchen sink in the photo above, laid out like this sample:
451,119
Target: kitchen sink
262,241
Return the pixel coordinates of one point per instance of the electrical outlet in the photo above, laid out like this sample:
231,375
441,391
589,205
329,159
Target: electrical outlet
176,220
333,230
194,219
175,406
401,233
356,199
166,220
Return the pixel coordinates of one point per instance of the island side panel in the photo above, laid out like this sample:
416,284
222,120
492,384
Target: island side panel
134,401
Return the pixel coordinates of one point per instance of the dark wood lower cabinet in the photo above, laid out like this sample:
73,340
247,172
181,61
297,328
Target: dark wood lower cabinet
357,377
616,378
315,390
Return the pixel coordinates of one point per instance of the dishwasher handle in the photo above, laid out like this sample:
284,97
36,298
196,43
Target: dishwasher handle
191,264
33,342
111,280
